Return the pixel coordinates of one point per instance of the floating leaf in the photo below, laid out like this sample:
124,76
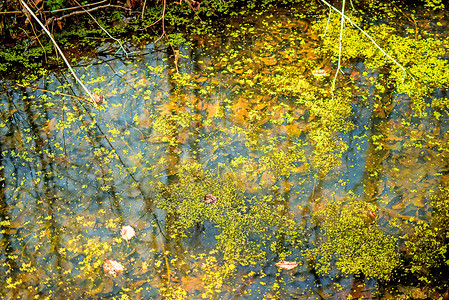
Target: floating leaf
191,284
113,267
201,79
269,61
127,233
210,199
49,125
286,265
319,73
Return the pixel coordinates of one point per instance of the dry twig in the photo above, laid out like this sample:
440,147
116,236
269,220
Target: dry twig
339,47
90,15
82,12
368,36
59,49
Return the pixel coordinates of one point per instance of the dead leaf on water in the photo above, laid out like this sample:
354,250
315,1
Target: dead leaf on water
319,73
127,233
98,99
49,125
113,267
286,265
191,284
210,199
133,191
269,61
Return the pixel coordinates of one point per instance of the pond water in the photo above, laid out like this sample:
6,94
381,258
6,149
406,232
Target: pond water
246,120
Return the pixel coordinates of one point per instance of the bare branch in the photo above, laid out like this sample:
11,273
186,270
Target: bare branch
59,49
118,41
339,47
162,18
75,7
82,12
56,10
367,35
143,8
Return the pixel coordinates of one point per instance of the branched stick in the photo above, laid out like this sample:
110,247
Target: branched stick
90,15
74,7
59,50
339,47
38,40
34,88
57,10
367,35
82,12
162,18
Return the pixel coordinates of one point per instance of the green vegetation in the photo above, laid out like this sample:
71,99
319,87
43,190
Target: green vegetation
353,238
427,242
347,183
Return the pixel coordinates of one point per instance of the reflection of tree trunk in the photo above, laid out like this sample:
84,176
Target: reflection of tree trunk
374,169
171,171
49,197
6,243
282,193
359,289
189,146
377,152
193,141
314,206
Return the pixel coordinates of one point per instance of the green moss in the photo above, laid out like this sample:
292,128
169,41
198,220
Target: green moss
353,242
427,244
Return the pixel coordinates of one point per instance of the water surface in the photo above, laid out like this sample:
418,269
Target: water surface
245,120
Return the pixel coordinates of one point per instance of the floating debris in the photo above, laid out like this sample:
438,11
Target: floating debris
370,215
113,267
319,73
286,265
127,233
98,99
210,199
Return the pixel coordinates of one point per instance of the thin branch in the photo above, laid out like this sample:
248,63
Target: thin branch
59,49
143,8
28,20
82,12
34,88
194,10
410,19
328,20
367,35
102,28
352,5
162,18
75,7
53,11
11,12
339,47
